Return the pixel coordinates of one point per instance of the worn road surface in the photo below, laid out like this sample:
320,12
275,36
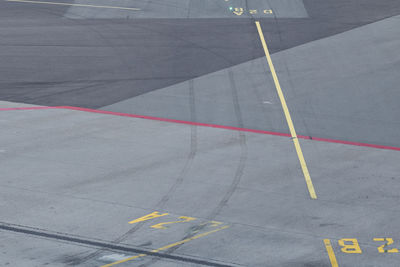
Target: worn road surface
200,133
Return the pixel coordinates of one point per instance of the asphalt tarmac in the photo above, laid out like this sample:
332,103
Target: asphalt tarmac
163,133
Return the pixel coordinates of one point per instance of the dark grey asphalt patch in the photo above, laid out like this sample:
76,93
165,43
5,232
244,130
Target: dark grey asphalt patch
50,60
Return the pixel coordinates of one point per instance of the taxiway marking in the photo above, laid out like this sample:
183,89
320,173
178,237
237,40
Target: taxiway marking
225,127
293,134
68,4
168,246
147,217
331,253
161,225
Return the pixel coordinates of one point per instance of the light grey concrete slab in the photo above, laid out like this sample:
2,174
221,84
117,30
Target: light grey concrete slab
87,175
346,86
7,104
36,251
189,9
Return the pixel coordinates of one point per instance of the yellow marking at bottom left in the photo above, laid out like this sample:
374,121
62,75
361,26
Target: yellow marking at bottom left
168,246
68,4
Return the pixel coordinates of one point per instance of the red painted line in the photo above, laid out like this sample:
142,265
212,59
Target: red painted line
348,142
174,121
26,108
231,128
328,140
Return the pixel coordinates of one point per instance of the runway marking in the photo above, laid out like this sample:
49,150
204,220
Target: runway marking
350,246
238,11
147,217
331,253
136,116
183,220
161,225
168,246
68,4
389,241
296,142
65,237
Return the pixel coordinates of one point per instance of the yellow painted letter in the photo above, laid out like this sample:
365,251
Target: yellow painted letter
238,11
389,241
353,247
147,217
161,225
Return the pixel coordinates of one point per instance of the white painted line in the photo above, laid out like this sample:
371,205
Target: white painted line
79,5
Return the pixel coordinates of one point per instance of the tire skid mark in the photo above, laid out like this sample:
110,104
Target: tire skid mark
236,179
189,161
85,241
243,150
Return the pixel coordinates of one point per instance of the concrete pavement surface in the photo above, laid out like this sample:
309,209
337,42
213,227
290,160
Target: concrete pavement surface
200,133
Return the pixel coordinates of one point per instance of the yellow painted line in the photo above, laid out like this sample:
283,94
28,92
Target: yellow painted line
287,115
168,246
331,253
68,4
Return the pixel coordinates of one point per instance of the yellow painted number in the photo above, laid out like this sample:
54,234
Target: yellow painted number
238,11
389,241
147,217
213,223
210,223
349,245
161,225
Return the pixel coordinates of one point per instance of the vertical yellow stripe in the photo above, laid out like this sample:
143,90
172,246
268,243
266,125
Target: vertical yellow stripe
331,253
303,164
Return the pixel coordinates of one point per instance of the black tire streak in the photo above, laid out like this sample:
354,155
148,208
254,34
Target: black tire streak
243,150
237,177
99,243
189,161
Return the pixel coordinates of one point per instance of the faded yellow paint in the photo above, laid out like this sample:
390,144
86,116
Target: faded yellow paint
147,217
238,11
184,219
168,246
214,223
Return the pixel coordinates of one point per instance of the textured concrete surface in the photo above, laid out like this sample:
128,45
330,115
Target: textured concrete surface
343,87
88,175
48,58
72,180
193,9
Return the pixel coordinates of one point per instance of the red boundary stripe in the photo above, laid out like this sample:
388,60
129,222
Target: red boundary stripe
231,128
208,125
174,121
349,143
